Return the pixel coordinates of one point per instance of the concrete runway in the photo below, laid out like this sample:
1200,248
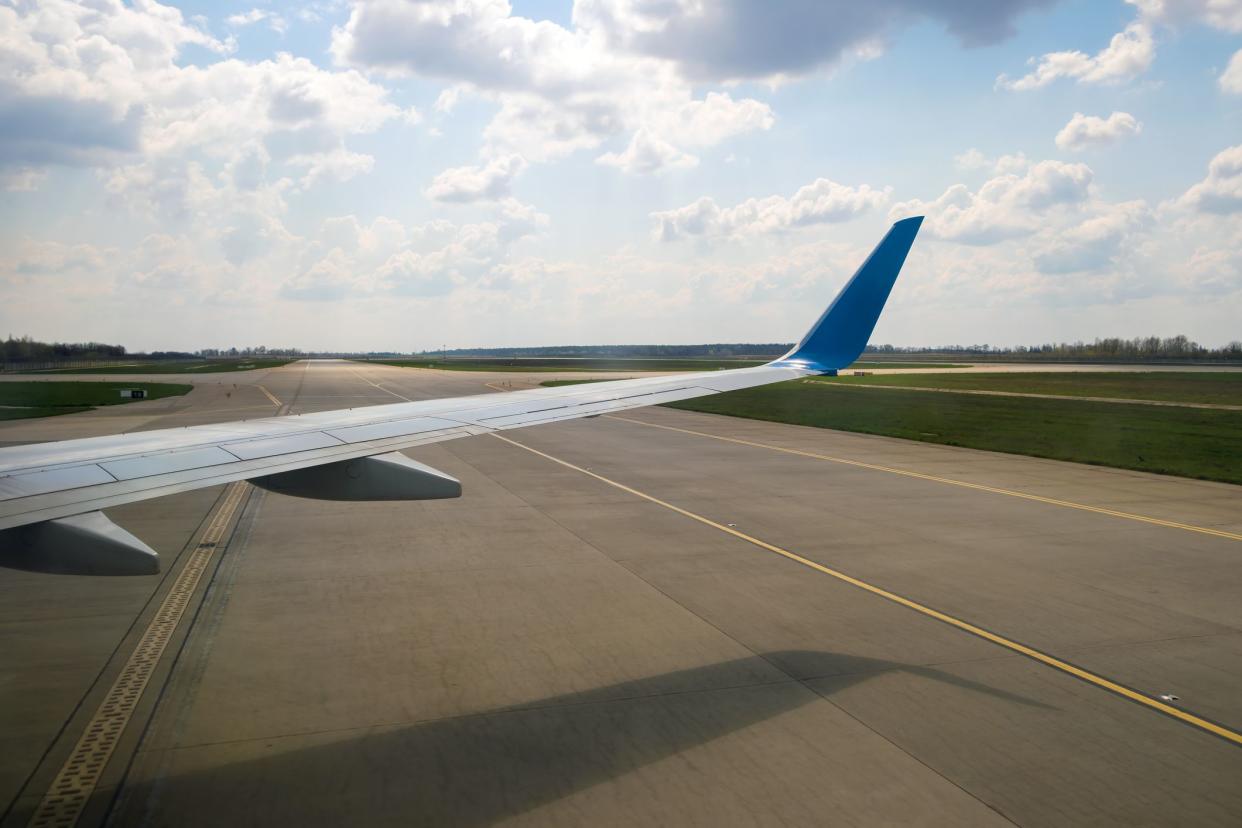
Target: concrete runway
554,650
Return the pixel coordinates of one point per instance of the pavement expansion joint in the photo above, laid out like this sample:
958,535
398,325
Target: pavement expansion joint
72,788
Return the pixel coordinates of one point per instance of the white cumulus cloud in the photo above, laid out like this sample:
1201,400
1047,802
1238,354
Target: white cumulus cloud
1221,191
823,201
1127,55
275,22
1085,131
489,182
1231,79
1004,207
1225,15
559,90
647,153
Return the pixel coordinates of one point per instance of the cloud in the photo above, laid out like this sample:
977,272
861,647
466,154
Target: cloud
76,79
1005,207
559,90
489,182
447,100
1221,192
820,202
740,39
1127,55
275,22
384,259
37,258
647,153
21,179
1094,243
1130,53
104,84
337,164
1085,131
1231,79
40,130
972,159
1225,15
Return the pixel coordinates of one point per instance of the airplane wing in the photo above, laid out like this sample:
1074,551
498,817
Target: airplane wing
51,494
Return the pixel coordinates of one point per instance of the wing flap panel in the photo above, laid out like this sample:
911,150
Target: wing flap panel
132,468
392,428
52,480
275,446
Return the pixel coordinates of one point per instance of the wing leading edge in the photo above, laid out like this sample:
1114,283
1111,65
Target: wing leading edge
55,481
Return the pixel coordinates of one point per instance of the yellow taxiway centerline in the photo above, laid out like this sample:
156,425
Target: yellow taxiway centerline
270,396
965,626
1068,504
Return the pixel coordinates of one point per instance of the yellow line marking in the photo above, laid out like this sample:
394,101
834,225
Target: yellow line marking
382,388
77,779
965,626
1069,504
270,396
496,387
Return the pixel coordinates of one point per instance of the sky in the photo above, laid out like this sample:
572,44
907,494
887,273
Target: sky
396,175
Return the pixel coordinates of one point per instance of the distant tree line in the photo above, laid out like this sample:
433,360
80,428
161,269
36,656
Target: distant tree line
717,350
24,349
1139,349
251,351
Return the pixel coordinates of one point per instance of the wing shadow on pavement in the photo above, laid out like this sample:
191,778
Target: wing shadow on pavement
482,768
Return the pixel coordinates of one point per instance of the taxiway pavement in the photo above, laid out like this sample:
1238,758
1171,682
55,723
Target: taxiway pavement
590,635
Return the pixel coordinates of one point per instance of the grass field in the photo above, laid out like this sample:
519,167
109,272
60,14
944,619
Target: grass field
22,400
864,365
219,367
28,413
537,365
1215,387
1189,442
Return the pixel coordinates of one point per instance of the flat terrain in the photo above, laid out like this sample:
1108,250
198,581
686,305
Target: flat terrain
529,365
1190,442
1213,388
551,649
534,365
19,400
214,367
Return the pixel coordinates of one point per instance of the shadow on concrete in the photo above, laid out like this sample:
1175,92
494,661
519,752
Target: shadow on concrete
479,769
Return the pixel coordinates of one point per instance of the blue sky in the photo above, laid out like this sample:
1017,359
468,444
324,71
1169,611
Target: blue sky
403,175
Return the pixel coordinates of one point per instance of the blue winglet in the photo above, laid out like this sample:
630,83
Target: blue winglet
841,333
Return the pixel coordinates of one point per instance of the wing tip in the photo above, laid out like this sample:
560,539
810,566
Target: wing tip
841,333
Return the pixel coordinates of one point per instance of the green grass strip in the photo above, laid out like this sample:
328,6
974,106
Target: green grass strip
1189,442
42,399
1213,387
225,367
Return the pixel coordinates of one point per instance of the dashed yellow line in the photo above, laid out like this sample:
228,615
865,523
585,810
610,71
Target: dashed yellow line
1068,504
79,776
1022,649
270,396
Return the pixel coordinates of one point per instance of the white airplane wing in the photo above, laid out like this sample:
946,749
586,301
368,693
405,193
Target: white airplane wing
51,494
